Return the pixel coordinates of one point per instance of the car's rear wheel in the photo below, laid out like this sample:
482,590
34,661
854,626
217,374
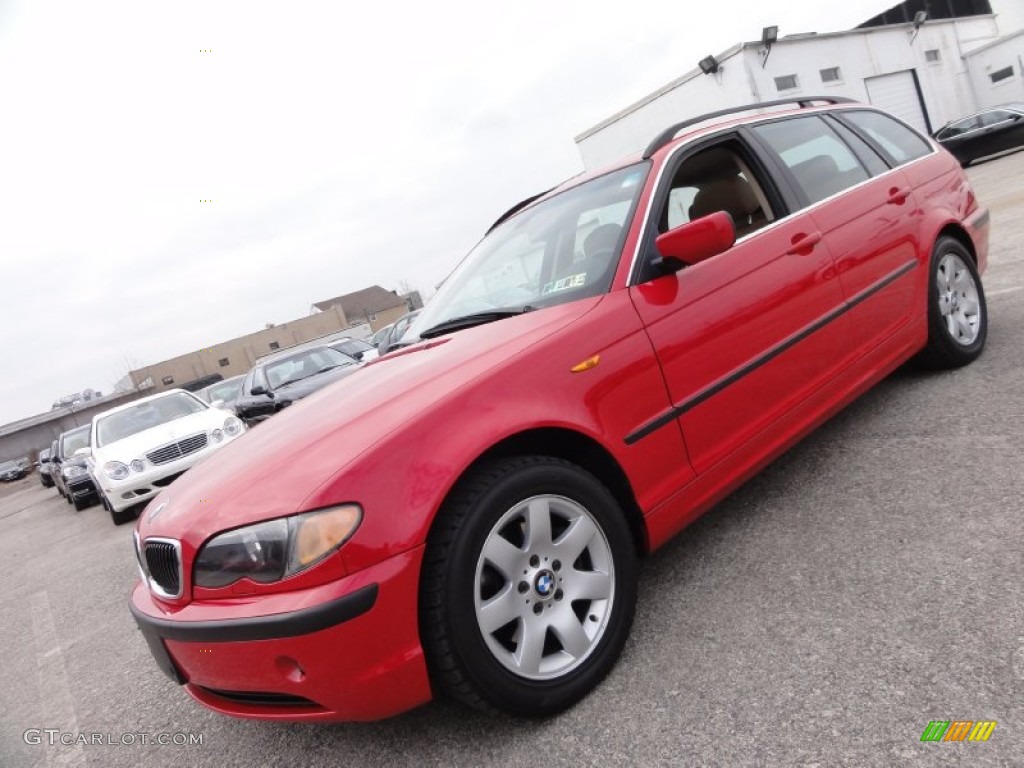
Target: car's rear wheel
957,313
529,587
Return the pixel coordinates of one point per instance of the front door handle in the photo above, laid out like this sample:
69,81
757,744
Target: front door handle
804,244
899,195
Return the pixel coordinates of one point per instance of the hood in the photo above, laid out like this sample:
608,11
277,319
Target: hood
137,445
303,387
272,469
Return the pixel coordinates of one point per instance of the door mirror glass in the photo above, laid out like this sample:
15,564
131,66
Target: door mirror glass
695,241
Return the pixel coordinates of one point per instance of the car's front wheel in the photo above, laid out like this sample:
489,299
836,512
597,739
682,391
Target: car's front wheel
957,313
529,587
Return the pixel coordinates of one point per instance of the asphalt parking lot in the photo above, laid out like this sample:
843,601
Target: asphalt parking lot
868,582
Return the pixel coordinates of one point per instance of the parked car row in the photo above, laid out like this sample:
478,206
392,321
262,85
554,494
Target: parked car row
127,454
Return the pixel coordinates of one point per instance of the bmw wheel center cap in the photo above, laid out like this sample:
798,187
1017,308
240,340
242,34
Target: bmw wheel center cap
544,584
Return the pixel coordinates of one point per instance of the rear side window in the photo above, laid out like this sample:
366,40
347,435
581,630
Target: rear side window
821,163
896,140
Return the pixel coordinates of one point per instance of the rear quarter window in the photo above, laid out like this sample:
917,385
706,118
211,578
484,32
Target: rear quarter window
896,140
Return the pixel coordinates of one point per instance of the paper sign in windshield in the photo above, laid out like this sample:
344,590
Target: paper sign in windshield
572,281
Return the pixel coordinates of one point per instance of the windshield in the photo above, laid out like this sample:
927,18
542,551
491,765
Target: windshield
7,466
563,249
147,415
226,391
302,365
73,440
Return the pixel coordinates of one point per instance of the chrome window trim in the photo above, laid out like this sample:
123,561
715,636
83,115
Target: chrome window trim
632,278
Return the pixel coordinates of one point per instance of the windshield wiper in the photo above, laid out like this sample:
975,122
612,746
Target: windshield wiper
309,375
477,318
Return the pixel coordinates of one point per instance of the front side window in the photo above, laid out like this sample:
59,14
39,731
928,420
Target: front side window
899,142
716,179
146,415
960,127
559,250
821,163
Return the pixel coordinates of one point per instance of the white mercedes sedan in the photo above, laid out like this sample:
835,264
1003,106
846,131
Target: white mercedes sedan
140,448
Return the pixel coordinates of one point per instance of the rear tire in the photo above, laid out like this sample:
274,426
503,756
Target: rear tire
528,587
957,313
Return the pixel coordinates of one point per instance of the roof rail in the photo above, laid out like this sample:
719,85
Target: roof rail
669,134
514,210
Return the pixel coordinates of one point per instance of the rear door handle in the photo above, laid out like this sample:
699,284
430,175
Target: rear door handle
804,244
899,195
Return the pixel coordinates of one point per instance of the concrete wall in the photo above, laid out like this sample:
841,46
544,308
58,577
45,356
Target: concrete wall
239,353
1007,52
946,84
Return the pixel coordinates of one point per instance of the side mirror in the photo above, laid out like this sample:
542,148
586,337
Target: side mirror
216,403
83,453
259,389
695,241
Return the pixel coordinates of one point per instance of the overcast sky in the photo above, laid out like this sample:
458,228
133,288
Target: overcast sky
341,144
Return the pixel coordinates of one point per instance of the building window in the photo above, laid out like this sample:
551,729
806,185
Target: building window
223,362
1001,74
786,83
932,55
167,380
831,75
274,345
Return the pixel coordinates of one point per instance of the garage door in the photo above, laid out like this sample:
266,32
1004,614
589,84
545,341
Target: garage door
897,93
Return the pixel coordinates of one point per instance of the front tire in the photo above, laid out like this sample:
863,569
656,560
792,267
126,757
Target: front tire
528,588
957,313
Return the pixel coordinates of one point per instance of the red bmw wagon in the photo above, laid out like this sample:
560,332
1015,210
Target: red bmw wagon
464,515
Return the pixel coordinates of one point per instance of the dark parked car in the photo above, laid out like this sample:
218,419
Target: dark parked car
985,133
277,381
44,468
69,471
225,393
12,470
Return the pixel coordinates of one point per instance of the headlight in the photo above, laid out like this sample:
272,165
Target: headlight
138,465
72,471
233,426
276,549
115,470
216,436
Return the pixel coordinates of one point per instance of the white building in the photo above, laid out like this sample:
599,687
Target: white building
927,74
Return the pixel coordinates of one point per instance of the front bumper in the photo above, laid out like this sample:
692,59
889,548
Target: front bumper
346,650
80,487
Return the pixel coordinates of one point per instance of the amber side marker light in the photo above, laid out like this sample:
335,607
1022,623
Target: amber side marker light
586,365
319,533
